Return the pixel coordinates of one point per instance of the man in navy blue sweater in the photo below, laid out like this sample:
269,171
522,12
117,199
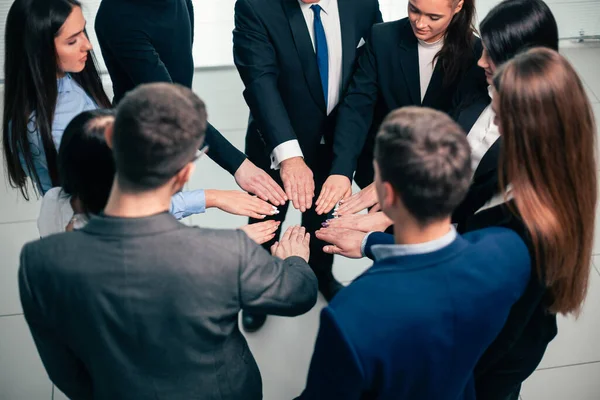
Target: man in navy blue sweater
415,324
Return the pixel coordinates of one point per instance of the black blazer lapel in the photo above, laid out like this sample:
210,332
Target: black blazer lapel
409,59
305,50
489,162
349,44
468,116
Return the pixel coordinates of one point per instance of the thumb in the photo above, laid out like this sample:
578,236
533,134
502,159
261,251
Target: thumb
331,249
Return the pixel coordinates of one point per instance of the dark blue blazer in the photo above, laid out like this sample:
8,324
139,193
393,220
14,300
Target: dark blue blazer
413,327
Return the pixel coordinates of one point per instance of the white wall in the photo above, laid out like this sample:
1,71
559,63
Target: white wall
214,23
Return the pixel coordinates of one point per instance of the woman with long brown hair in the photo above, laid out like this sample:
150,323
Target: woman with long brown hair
548,174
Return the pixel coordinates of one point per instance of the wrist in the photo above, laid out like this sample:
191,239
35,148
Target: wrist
292,161
211,197
383,221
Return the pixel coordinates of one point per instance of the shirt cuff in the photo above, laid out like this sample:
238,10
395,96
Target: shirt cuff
184,204
284,151
364,244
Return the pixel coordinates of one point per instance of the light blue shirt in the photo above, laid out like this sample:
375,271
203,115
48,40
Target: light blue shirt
72,100
382,251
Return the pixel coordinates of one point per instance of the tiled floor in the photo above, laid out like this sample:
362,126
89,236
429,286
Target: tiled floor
570,370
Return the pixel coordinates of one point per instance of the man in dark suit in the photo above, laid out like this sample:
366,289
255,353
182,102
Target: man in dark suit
137,305
416,323
151,41
295,58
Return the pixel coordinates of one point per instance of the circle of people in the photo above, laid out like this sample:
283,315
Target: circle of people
474,152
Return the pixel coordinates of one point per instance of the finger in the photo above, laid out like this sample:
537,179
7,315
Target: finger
375,208
261,192
261,206
276,194
307,239
289,188
274,247
300,234
254,215
265,239
295,233
326,235
331,249
331,201
287,234
324,193
302,196
351,206
310,192
295,195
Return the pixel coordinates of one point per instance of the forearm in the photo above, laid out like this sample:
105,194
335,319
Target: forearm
221,151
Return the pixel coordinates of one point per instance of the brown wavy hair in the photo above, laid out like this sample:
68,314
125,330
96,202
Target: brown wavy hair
549,159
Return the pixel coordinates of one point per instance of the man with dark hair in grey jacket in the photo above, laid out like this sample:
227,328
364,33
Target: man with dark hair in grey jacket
139,306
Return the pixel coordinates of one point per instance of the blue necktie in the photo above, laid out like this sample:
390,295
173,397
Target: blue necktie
321,50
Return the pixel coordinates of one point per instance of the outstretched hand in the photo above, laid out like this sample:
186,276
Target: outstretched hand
345,242
335,188
254,180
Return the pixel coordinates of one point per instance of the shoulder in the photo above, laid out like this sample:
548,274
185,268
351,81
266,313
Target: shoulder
399,27
501,244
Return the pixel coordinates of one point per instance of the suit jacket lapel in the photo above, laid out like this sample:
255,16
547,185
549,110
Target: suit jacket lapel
409,59
467,117
348,38
490,160
305,50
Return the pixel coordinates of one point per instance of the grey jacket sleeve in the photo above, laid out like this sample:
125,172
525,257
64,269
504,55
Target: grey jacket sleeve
64,369
270,285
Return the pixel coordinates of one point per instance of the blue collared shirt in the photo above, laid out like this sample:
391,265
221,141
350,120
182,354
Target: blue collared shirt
382,251
71,101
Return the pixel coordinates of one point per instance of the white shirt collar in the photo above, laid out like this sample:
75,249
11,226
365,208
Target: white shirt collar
323,3
382,251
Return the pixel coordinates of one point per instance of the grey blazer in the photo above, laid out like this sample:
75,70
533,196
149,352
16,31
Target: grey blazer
148,308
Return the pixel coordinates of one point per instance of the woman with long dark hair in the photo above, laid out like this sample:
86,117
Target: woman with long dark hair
428,59
51,77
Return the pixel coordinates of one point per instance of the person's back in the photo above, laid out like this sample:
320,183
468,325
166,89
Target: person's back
137,305
414,325
418,324
152,313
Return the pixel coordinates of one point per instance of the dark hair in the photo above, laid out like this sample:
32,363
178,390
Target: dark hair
158,130
426,157
548,157
85,162
457,52
30,84
515,25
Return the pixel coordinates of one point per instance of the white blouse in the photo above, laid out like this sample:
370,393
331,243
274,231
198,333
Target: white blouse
56,213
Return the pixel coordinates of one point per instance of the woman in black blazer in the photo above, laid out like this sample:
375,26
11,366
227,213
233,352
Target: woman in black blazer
428,59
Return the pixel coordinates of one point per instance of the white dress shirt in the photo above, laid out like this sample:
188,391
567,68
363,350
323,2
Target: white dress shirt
427,52
483,135
330,17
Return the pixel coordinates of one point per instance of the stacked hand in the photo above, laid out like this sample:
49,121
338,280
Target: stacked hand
298,182
359,201
335,188
254,180
261,232
346,242
239,203
295,242
377,222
